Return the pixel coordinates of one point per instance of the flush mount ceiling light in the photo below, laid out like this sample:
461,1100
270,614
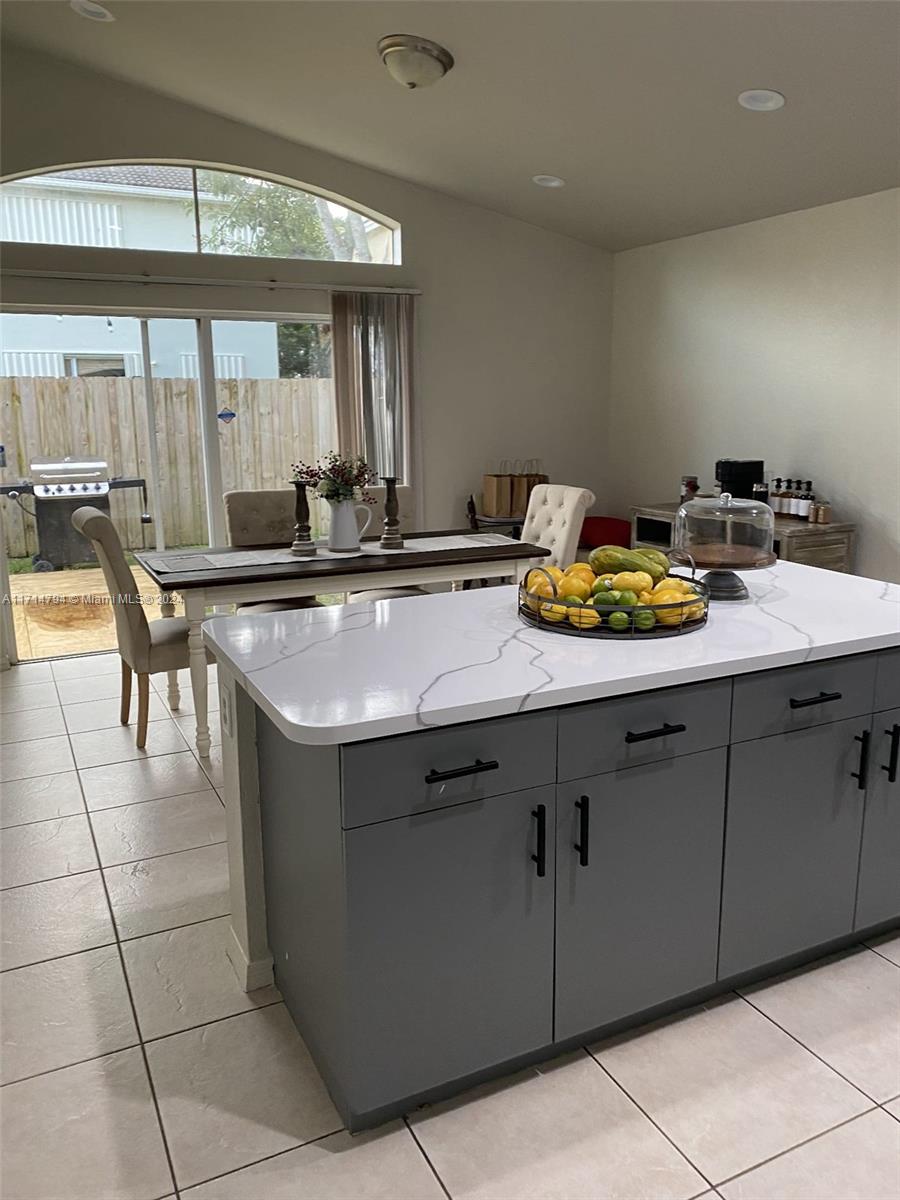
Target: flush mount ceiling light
414,62
548,181
91,10
761,100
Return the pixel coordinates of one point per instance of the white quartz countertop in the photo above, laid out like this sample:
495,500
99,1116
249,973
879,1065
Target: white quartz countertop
350,672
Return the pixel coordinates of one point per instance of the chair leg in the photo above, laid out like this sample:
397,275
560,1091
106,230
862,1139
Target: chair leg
143,710
125,710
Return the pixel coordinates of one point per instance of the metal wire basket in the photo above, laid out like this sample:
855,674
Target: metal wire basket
597,620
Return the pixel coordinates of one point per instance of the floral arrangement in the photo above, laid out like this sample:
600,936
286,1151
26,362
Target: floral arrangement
336,478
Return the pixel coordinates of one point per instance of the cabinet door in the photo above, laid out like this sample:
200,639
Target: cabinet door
878,898
637,902
791,844
449,943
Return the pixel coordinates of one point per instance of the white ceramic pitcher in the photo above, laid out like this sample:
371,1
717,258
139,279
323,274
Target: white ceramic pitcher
345,533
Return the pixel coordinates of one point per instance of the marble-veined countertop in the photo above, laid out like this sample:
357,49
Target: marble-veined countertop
346,673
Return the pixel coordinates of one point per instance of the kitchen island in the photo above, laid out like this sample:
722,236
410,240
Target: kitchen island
466,843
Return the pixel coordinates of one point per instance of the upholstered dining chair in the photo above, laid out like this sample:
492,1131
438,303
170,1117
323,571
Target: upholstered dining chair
264,518
554,519
407,518
145,647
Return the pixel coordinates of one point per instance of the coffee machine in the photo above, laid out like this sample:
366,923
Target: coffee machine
738,475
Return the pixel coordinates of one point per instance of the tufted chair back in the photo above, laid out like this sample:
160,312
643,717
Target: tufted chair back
554,518
132,629
264,518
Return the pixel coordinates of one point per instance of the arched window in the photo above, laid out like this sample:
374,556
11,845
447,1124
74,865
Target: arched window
158,206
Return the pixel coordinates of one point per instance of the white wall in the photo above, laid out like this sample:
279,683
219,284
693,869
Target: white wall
513,320
775,340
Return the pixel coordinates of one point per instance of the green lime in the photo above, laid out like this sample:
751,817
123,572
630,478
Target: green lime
601,587
627,599
644,619
619,621
607,601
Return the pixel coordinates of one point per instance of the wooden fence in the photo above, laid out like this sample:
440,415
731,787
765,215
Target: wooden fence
278,421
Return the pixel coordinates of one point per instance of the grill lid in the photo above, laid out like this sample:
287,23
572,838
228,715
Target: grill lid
59,478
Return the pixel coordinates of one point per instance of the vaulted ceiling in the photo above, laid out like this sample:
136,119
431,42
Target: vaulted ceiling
632,102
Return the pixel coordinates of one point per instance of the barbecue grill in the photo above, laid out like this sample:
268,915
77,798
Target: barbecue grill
59,486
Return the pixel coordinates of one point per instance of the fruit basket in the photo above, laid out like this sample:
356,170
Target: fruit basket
581,602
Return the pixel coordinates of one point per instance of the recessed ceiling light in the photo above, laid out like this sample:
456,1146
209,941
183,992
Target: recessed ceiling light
550,181
91,10
761,100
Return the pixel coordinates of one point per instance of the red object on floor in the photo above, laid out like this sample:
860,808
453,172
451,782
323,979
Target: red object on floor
606,531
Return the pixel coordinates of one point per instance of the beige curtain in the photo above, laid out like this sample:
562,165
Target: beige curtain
372,340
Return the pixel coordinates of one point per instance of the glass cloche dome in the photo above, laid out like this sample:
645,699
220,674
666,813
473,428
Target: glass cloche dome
723,534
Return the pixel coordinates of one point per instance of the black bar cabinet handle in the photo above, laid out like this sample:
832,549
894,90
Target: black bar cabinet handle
540,815
891,768
584,825
654,733
458,772
822,698
862,775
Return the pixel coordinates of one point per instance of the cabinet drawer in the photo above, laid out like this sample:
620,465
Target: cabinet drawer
798,697
613,734
887,680
829,553
417,772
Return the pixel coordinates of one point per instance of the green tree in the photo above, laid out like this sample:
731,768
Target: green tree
304,350
243,215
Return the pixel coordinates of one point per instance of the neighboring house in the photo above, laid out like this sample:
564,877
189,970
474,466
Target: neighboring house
156,207
36,344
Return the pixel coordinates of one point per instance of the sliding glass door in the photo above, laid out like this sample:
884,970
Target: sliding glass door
274,401
180,409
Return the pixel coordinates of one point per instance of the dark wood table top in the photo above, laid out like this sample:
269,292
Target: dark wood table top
325,568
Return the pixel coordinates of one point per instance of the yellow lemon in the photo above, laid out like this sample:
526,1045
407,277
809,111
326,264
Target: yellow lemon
537,591
669,616
538,575
554,612
645,598
671,584
583,618
575,586
580,568
633,581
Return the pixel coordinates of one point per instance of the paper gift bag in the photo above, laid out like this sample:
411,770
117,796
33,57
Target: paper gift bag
520,492
496,495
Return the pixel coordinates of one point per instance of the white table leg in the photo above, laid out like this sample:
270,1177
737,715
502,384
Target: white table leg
455,585
173,691
195,610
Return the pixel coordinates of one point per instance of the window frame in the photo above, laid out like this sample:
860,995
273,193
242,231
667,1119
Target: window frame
193,196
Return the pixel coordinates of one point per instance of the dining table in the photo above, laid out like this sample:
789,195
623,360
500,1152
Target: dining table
220,576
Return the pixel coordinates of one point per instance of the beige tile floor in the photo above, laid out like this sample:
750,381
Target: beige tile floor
134,1068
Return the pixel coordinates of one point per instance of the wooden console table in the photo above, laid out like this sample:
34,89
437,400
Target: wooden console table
829,546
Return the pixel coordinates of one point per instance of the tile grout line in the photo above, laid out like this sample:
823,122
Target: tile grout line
129,862
423,1152
134,1015
265,1158
875,950
796,1039
244,1012
78,1062
654,1123
790,1150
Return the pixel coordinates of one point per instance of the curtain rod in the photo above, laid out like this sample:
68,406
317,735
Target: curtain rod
269,285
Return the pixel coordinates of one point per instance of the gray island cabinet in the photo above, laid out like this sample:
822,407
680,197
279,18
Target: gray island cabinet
454,899
447,903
